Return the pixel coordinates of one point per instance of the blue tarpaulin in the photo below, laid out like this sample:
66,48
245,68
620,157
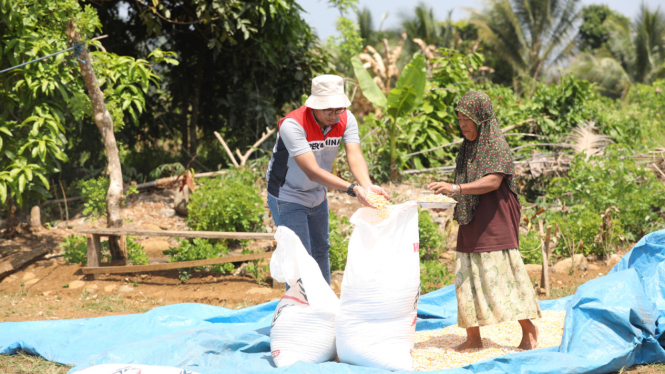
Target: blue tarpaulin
612,322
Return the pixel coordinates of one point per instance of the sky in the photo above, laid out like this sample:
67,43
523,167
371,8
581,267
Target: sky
322,17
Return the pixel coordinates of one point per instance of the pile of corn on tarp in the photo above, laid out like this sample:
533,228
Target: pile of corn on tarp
612,322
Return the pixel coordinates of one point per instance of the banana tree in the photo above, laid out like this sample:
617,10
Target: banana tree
401,100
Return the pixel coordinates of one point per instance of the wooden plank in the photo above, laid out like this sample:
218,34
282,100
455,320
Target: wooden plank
182,234
174,265
94,252
122,245
545,246
16,260
276,285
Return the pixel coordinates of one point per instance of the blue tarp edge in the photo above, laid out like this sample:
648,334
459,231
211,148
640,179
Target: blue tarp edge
612,322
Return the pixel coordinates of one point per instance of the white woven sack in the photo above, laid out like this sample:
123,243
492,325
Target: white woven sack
303,326
376,321
133,369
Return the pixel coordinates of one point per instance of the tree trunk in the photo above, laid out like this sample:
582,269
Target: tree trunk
35,218
105,124
184,130
193,143
9,232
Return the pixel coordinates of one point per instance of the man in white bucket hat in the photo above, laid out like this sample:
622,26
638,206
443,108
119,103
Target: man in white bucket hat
308,141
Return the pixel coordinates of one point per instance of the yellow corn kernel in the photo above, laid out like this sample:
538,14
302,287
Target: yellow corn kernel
435,199
381,203
433,349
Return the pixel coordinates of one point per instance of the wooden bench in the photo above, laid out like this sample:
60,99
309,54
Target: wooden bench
94,267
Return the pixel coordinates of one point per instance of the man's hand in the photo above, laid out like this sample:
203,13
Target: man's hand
378,190
361,194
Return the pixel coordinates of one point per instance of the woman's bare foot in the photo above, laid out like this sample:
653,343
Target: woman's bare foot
529,335
473,340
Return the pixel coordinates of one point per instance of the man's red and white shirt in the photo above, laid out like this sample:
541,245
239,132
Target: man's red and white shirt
299,133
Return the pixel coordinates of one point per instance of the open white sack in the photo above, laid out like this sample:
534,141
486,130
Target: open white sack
376,321
303,326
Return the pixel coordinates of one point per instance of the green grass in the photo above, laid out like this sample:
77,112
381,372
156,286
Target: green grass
110,304
22,363
559,292
644,369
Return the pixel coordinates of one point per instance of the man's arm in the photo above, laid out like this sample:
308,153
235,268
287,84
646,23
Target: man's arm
354,156
307,162
357,164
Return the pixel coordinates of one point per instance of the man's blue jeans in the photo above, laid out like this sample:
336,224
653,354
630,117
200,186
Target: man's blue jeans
311,226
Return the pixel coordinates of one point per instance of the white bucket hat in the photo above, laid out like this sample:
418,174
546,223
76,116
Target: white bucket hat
327,92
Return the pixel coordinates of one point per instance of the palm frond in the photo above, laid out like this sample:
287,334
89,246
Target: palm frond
583,139
562,32
602,69
423,25
649,42
499,27
365,25
526,33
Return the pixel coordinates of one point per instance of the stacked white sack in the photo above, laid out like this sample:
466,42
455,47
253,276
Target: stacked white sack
303,326
376,321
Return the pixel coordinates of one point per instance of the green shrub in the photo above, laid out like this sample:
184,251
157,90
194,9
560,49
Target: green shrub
431,240
198,249
611,180
557,108
340,232
581,232
94,193
257,269
434,275
135,252
76,251
638,121
530,248
229,203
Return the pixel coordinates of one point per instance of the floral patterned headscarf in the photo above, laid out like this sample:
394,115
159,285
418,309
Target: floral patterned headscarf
489,153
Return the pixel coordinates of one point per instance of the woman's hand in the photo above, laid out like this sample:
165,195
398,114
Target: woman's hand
441,187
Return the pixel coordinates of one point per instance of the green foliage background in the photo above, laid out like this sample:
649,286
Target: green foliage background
172,75
76,251
228,203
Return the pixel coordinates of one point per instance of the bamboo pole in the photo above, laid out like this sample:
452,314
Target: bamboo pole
545,248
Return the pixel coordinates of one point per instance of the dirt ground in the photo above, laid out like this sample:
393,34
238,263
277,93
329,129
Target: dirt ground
48,289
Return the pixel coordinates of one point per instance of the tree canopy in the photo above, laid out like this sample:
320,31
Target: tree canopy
43,103
240,62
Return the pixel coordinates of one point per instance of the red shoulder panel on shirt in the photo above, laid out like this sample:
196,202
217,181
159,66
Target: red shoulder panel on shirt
305,118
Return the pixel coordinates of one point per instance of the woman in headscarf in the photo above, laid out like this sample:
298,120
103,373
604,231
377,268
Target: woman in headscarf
491,282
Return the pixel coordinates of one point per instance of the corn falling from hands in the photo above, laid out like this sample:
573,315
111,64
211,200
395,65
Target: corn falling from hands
433,349
435,199
381,203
